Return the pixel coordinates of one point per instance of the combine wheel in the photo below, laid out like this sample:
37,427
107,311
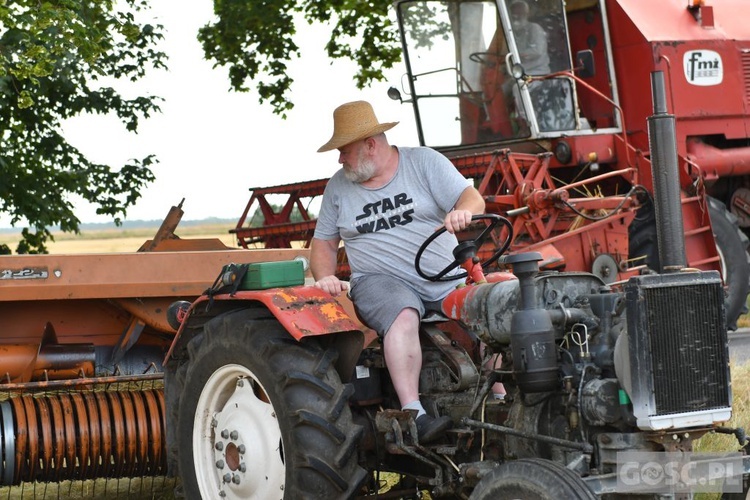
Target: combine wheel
262,416
532,478
732,244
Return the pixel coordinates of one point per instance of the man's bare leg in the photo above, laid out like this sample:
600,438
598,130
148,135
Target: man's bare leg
403,355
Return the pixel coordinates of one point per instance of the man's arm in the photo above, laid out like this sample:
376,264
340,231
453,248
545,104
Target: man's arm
469,203
323,265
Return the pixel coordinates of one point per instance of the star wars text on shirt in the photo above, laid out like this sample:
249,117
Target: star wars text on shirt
385,214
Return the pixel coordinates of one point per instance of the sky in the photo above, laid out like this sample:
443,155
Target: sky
213,145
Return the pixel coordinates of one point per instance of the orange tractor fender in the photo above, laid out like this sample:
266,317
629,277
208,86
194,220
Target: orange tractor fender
304,311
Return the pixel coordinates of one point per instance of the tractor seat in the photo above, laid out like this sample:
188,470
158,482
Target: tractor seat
434,317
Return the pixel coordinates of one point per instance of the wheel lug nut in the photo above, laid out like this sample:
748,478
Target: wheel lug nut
219,446
241,449
220,464
235,479
227,477
225,434
243,467
234,435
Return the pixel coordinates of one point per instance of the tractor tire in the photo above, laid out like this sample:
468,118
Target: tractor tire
532,478
731,244
642,240
262,416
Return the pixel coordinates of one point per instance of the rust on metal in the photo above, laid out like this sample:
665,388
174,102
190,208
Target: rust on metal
154,429
142,433
70,430
83,442
86,435
128,275
130,434
106,436
31,454
95,430
59,436
118,435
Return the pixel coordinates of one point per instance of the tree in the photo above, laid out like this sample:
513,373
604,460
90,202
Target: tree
54,57
255,41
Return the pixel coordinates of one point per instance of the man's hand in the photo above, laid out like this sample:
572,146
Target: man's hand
332,285
457,220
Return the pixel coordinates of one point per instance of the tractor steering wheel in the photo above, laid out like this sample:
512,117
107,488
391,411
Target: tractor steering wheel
466,249
487,58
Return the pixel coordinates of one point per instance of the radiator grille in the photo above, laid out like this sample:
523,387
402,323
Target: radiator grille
745,55
688,345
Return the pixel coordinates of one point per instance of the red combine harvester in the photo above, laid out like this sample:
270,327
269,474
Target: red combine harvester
563,150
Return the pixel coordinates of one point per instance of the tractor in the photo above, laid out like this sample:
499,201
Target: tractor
274,389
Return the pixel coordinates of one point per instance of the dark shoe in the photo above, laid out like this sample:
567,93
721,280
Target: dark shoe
430,428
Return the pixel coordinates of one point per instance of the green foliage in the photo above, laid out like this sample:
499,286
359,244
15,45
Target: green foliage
254,39
53,57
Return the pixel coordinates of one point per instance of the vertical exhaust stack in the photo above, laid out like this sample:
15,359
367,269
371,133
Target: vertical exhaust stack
662,138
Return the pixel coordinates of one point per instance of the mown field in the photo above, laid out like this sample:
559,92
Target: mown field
121,240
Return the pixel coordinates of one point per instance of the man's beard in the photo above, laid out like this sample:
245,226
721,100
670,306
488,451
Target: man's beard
519,24
363,171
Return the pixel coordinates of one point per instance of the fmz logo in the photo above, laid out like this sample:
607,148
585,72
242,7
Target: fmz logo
703,67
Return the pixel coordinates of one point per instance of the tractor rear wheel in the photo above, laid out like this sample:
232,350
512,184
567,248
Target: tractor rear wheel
263,416
529,478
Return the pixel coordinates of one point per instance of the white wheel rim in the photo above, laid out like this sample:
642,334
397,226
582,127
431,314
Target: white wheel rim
236,438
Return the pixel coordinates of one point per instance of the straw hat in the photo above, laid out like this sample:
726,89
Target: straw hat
354,121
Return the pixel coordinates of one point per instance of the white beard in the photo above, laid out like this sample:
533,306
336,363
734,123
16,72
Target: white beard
362,172
519,24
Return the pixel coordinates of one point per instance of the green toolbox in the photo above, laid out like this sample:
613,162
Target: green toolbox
262,275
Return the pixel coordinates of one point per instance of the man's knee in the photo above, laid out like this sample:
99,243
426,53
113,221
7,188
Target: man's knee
406,322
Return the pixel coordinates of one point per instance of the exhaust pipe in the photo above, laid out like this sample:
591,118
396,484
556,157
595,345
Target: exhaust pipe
662,138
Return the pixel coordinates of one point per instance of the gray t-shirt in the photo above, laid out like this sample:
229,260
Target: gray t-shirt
383,228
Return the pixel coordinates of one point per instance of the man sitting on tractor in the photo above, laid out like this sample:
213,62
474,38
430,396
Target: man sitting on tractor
383,204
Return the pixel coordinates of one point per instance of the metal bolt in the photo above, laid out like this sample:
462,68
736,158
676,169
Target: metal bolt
234,435
675,437
214,422
220,464
222,493
243,468
225,434
219,446
240,383
227,477
236,478
241,449
686,435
